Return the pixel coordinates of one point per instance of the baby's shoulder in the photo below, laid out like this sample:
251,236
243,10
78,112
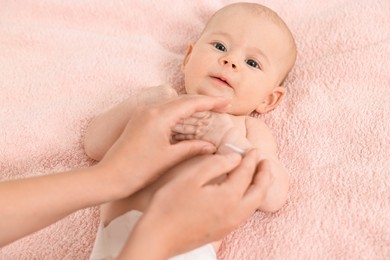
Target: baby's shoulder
239,122
252,126
256,124
260,135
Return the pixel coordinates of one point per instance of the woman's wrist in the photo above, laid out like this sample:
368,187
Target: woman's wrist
111,185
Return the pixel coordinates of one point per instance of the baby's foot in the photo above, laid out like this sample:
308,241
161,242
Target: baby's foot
208,126
154,94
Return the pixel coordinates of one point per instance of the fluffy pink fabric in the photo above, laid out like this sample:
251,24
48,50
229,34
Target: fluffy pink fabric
63,62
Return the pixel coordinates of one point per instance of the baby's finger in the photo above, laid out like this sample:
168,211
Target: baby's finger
182,137
194,121
201,115
185,129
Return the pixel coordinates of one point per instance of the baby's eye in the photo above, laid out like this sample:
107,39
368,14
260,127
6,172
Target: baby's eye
219,46
253,63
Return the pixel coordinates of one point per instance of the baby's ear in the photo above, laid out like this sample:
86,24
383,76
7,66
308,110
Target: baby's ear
187,57
272,101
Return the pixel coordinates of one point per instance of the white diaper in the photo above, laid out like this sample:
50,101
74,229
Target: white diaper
110,240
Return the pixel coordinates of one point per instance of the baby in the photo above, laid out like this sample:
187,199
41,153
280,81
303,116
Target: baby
244,54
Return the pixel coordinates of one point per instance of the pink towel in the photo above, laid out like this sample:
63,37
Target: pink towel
63,62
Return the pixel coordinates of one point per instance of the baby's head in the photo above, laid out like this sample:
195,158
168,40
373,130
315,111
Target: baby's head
244,53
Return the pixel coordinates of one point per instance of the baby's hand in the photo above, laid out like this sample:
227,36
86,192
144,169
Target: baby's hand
208,126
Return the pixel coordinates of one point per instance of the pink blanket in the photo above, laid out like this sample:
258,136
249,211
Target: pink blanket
63,62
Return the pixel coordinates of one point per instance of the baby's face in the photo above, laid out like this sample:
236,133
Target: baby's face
240,56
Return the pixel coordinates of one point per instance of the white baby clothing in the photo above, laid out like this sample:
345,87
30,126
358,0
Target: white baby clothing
110,240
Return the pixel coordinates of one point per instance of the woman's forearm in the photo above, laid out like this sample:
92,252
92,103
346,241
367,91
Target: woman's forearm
30,204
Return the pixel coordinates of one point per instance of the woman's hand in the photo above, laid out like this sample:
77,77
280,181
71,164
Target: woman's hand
144,149
188,211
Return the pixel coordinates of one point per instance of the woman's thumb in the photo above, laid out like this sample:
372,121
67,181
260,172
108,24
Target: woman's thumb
187,149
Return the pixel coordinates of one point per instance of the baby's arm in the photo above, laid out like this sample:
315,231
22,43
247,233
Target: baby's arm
106,128
261,137
221,130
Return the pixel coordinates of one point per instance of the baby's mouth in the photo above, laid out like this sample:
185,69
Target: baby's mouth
220,80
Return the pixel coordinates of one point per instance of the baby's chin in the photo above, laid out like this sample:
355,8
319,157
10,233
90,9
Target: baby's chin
215,93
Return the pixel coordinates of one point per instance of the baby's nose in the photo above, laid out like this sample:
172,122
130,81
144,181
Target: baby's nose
229,63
